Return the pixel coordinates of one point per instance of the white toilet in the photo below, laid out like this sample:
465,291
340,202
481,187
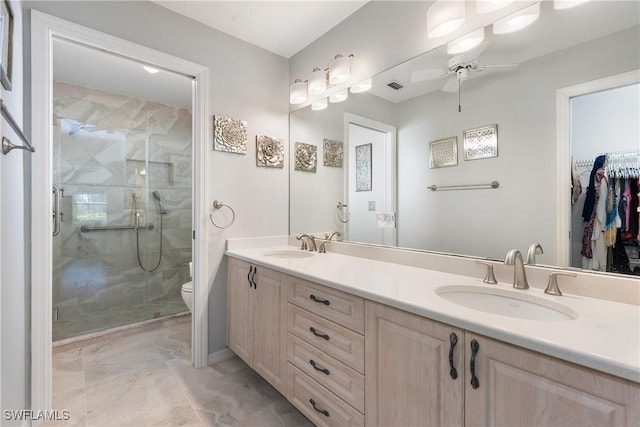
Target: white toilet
187,294
187,290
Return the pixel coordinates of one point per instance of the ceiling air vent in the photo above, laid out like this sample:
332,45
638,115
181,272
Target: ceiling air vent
395,85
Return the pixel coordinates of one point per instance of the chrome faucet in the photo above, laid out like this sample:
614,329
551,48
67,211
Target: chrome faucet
307,242
514,257
333,234
534,249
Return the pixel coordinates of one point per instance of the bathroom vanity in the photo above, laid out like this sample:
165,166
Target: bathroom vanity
354,341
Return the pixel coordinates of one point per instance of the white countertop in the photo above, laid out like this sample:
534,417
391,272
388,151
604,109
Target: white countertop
605,336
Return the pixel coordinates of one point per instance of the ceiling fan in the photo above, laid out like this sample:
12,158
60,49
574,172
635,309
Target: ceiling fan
459,69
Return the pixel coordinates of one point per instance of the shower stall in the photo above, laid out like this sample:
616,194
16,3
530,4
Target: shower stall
122,169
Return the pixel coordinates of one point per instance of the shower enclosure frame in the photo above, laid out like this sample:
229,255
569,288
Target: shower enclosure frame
44,28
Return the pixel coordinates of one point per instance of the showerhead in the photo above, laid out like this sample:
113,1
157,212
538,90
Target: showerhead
156,196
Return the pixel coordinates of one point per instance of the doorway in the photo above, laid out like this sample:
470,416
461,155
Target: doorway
45,30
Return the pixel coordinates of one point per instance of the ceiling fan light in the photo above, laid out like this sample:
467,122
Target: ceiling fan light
567,4
339,70
486,6
339,96
444,17
362,86
319,105
518,20
466,42
298,92
317,82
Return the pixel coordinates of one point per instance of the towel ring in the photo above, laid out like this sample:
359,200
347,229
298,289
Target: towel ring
217,204
343,214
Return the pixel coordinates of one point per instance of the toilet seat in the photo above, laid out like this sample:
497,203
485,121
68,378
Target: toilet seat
187,287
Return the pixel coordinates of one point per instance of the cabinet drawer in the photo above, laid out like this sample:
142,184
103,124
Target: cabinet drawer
343,308
318,404
345,382
341,343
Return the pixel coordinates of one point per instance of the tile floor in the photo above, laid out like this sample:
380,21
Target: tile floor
143,377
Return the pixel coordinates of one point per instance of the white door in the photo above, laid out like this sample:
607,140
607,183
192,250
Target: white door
371,183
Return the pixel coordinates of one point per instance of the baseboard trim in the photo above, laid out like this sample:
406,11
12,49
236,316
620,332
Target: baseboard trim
220,355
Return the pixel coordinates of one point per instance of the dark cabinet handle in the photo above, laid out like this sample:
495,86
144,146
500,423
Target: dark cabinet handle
318,368
249,275
253,278
321,301
318,334
322,411
453,340
474,350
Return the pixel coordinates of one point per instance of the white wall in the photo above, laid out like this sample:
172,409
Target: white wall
247,83
14,309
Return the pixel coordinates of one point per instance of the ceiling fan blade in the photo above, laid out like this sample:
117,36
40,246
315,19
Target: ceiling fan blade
451,86
429,74
498,67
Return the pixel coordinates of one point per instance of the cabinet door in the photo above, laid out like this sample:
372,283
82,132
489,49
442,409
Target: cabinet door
408,380
518,387
240,309
270,327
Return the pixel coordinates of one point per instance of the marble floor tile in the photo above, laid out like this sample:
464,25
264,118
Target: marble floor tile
143,377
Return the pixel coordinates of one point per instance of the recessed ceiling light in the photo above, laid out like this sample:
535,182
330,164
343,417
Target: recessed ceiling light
150,70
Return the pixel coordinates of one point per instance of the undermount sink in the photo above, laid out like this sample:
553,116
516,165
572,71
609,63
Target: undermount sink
286,253
516,304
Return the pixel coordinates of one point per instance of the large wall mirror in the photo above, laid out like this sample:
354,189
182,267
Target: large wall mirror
507,89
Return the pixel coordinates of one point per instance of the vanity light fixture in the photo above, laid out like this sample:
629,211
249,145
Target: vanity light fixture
298,92
486,6
444,17
150,70
466,42
362,86
319,105
339,69
317,82
566,4
339,96
518,20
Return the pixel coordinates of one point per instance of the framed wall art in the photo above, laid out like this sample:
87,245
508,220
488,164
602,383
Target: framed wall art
230,135
481,143
306,157
443,152
363,167
6,43
269,152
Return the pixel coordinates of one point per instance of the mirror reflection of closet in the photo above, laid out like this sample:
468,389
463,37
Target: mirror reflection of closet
606,123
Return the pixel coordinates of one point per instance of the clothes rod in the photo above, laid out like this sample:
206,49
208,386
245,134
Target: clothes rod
88,228
7,145
492,184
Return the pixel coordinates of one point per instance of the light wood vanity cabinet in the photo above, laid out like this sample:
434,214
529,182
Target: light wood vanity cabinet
257,325
326,354
409,381
308,341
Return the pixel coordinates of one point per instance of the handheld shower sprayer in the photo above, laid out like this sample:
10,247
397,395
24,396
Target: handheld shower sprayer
156,196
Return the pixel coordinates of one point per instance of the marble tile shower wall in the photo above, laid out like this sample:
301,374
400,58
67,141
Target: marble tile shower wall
106,148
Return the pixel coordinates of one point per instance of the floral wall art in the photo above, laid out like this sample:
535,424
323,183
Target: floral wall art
230,135
269,152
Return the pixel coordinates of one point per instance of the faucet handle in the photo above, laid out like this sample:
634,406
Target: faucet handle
322,249
489,277
552,286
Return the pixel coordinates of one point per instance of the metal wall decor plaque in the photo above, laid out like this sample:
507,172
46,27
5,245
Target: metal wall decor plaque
481,143
306,157
443,152
269,152
363,167
230,135
333,153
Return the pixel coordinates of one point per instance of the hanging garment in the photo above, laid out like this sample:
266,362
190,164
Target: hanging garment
623,205
620,261
633,208
594,249
576,186
590,198
610,225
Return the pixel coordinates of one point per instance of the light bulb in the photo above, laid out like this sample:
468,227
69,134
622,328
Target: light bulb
319,105
339,70
362,86
298,92
444,17
466,42
518,20
339,96
317,82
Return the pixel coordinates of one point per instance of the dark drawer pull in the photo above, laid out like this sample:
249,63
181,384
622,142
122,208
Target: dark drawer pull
249,276
472,364
319,300
318,368
318,334
453,340
322,411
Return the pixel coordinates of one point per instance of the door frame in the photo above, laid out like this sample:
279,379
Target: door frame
563,152
44,28
391,193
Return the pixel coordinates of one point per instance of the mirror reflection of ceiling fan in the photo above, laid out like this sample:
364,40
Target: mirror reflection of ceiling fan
459,69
